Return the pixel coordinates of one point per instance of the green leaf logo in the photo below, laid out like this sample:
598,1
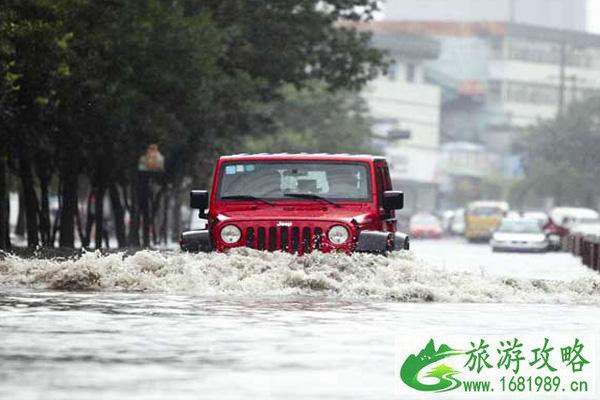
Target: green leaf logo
413,365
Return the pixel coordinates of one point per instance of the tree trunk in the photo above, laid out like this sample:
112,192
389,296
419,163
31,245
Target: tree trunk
4,207
45,209
89,220
68,210
144,197
155,206
31,200
78,223
164,227
176,213
134,214
118,214
20,228
99,215
55,223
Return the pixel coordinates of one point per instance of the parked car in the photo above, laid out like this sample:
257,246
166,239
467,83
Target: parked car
563,220
298,203
519,234
575,218
540,216
425,225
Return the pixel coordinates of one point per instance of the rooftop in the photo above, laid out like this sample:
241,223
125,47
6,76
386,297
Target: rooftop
482,28
407,44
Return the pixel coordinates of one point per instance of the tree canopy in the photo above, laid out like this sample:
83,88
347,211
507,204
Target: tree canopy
86,85
314,119
562,156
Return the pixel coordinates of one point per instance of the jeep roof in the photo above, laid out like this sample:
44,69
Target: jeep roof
303,156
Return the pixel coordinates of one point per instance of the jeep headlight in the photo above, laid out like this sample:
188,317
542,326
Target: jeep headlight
231,234
338,234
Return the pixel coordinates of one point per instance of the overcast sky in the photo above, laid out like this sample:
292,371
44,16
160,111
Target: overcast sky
594,15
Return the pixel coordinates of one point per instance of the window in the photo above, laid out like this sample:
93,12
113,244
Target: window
275,180
549,53
519,92
533,51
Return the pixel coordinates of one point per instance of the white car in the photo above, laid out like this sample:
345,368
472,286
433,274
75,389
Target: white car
568,216
519,234
540,216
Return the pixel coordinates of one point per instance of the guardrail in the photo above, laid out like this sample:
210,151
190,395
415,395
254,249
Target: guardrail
587,247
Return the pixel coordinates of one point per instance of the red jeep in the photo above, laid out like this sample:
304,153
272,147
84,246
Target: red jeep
298,203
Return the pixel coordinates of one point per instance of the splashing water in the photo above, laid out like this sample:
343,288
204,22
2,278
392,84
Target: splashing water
399,277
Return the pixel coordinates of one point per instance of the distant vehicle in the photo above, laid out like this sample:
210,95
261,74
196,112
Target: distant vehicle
457,226
553,232
519,235
540,216
483,217
425,225
575,218
298,203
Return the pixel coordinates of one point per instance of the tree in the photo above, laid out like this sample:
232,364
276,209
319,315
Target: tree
562,156
33,61
88,84
316,120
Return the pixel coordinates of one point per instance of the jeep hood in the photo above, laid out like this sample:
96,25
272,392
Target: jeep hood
342,214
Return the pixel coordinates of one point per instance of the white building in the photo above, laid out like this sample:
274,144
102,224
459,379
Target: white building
561,14
498,78
402,100
524,74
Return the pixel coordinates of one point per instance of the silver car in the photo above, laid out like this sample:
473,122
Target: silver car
519,234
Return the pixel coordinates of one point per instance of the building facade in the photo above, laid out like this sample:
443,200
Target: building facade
560,14
497,79
403,101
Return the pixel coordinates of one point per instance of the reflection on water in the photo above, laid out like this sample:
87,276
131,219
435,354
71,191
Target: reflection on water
153,345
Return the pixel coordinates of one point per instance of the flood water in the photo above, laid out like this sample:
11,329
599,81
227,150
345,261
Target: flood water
254,325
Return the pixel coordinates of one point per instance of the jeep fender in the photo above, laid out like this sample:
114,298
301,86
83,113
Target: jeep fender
196,241
377,242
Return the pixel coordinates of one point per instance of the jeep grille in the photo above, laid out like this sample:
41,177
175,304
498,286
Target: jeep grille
294,239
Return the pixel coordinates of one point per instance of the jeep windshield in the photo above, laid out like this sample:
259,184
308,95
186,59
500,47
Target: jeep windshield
304,181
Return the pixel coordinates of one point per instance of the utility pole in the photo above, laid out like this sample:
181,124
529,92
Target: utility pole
511,11
561,77
574,88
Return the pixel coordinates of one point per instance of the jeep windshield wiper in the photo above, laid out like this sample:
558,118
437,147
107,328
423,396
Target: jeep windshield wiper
311,196
247,197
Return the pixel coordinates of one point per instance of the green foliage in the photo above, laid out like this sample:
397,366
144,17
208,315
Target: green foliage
563,156
316,120
86,85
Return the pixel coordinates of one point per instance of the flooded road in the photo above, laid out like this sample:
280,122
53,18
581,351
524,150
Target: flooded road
252,325
455,254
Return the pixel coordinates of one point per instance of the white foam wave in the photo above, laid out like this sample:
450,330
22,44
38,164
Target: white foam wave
399,277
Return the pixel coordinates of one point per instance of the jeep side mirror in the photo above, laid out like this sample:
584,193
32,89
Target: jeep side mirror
199,200
393,200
